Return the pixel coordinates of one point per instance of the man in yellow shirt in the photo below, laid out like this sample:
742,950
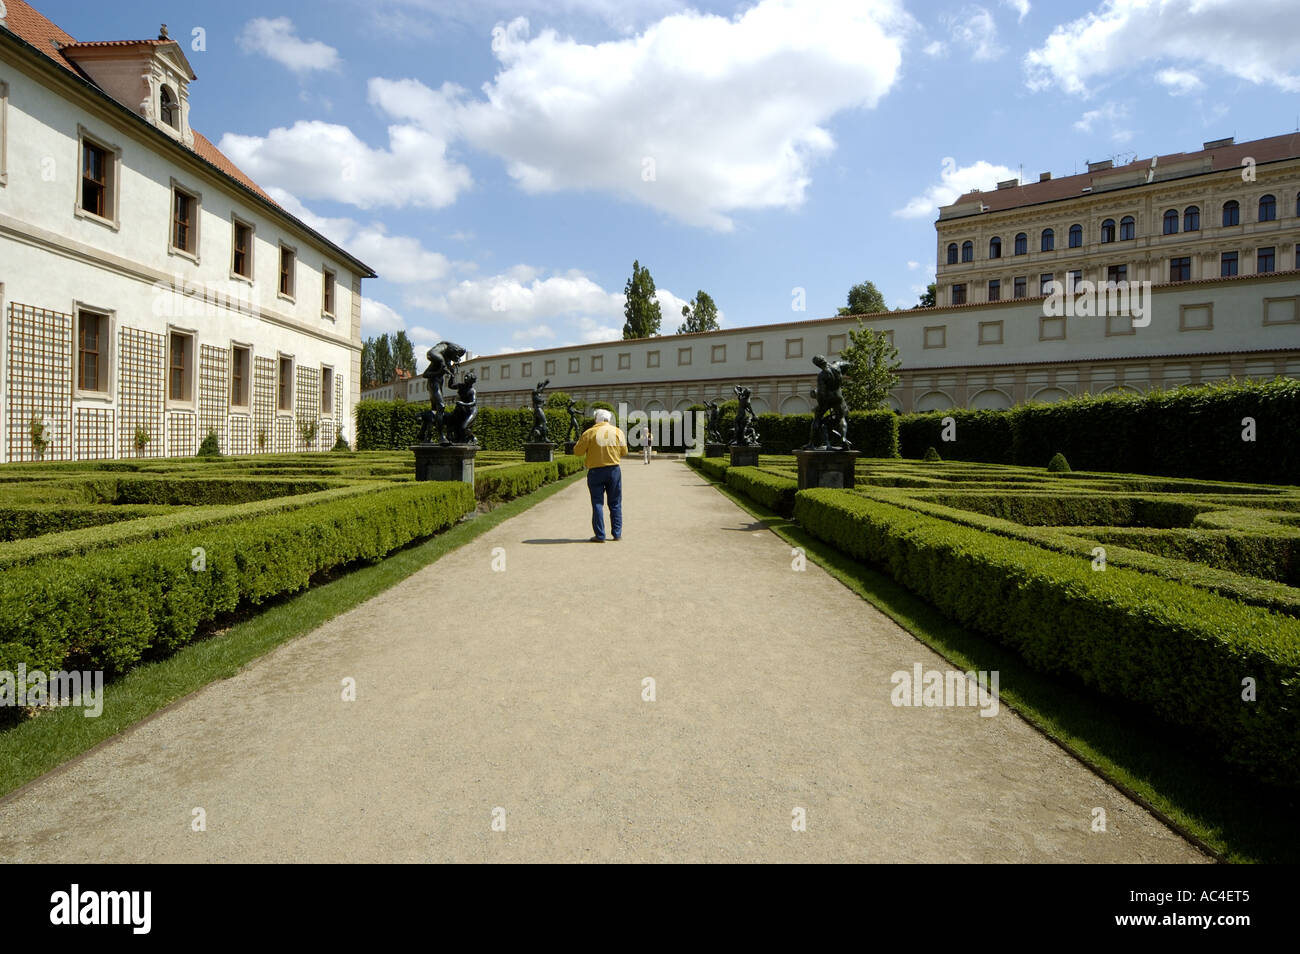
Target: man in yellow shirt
604,445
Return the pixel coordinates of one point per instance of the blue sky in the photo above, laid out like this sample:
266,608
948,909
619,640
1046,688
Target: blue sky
501,163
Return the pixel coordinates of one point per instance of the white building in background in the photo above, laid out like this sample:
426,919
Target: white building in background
150,291
1214,235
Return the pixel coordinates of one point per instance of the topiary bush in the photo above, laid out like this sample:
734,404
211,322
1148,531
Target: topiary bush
932,456
211,446
1058,464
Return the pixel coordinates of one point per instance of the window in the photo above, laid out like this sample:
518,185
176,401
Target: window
168,108
995,247
1264,260
180,366
327,293
241,245
995,289
959,294
1072,279
1076,236
1171,222
550,367
625,361
1051,328
990,333
505,372
1108,231
836,343
1267,208
935,337
285,385
598,362
92,348
1022,243
1127,228
1117,273
575,365
286,271
683,356
1180,269
241,360
1297,256
952,253
96,180
967,251
1192,218
1047,242
1227,264
794,347
719,354
4,138
1018,287
1231,212
487,372
754,351
2,169
1044,280
526,369
185,222
327,390
652,359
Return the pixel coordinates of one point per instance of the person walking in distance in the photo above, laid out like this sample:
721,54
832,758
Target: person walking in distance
647,443
602,446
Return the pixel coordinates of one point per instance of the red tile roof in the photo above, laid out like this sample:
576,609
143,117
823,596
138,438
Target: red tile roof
33,28
1228,156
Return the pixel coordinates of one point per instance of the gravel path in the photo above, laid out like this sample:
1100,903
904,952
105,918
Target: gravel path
518,694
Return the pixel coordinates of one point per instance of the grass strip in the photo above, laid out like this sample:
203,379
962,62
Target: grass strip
39,745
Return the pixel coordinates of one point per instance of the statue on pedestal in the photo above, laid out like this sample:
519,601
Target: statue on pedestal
830,423
575,426
461,421
443,359
540,434
744,432
712,424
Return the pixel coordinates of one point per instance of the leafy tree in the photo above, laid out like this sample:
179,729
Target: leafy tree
368,378
875,368
927,300
403,353
561,399
384,363
864,299
641,308
701,315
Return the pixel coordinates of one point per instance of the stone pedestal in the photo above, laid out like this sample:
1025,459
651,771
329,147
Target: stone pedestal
826,468
715,450
445,462
744,455
569,446
539,453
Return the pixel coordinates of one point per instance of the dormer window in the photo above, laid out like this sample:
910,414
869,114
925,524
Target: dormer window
168,108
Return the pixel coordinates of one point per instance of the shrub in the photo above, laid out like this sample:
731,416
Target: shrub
979,435
211,446
1178,651
932,455
340,444
773,492
1058,464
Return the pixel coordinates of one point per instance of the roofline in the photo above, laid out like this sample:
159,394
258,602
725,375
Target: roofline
938,310
52,68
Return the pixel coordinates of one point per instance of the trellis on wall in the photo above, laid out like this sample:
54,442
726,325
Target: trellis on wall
140,393
307,403
40,383
263,405
214,393
94,432
180,434
241,435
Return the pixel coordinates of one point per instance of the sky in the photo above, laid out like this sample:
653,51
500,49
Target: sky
502,163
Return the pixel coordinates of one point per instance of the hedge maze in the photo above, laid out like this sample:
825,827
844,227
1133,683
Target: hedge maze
1180,596
106,564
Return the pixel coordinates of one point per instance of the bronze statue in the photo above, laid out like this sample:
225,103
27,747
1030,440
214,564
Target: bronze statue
744,433
540,434
443,360
575,426
712,423
830,423
461,420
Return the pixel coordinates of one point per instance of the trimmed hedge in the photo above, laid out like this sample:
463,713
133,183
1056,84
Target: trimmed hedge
394,425
874,433
715,467
980,435
1180,652
19,523
515,481
773,492
109,609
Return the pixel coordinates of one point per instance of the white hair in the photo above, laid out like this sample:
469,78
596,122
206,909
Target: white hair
602,416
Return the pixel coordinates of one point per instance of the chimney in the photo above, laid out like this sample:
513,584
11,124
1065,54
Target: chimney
1044,176
1101,166
1219,143
1008,183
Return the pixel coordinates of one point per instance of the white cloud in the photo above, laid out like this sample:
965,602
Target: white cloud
1022,10
1180,82
954,181
536,331
935,48
1112,114
973,27
378,318
319,160
278,40
1244,40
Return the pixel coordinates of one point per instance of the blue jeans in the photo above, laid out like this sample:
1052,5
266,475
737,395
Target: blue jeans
606,482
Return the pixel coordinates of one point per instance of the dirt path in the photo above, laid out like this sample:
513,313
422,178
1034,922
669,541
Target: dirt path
522,690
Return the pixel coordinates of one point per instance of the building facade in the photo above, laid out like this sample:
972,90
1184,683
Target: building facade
150,291
1213,232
